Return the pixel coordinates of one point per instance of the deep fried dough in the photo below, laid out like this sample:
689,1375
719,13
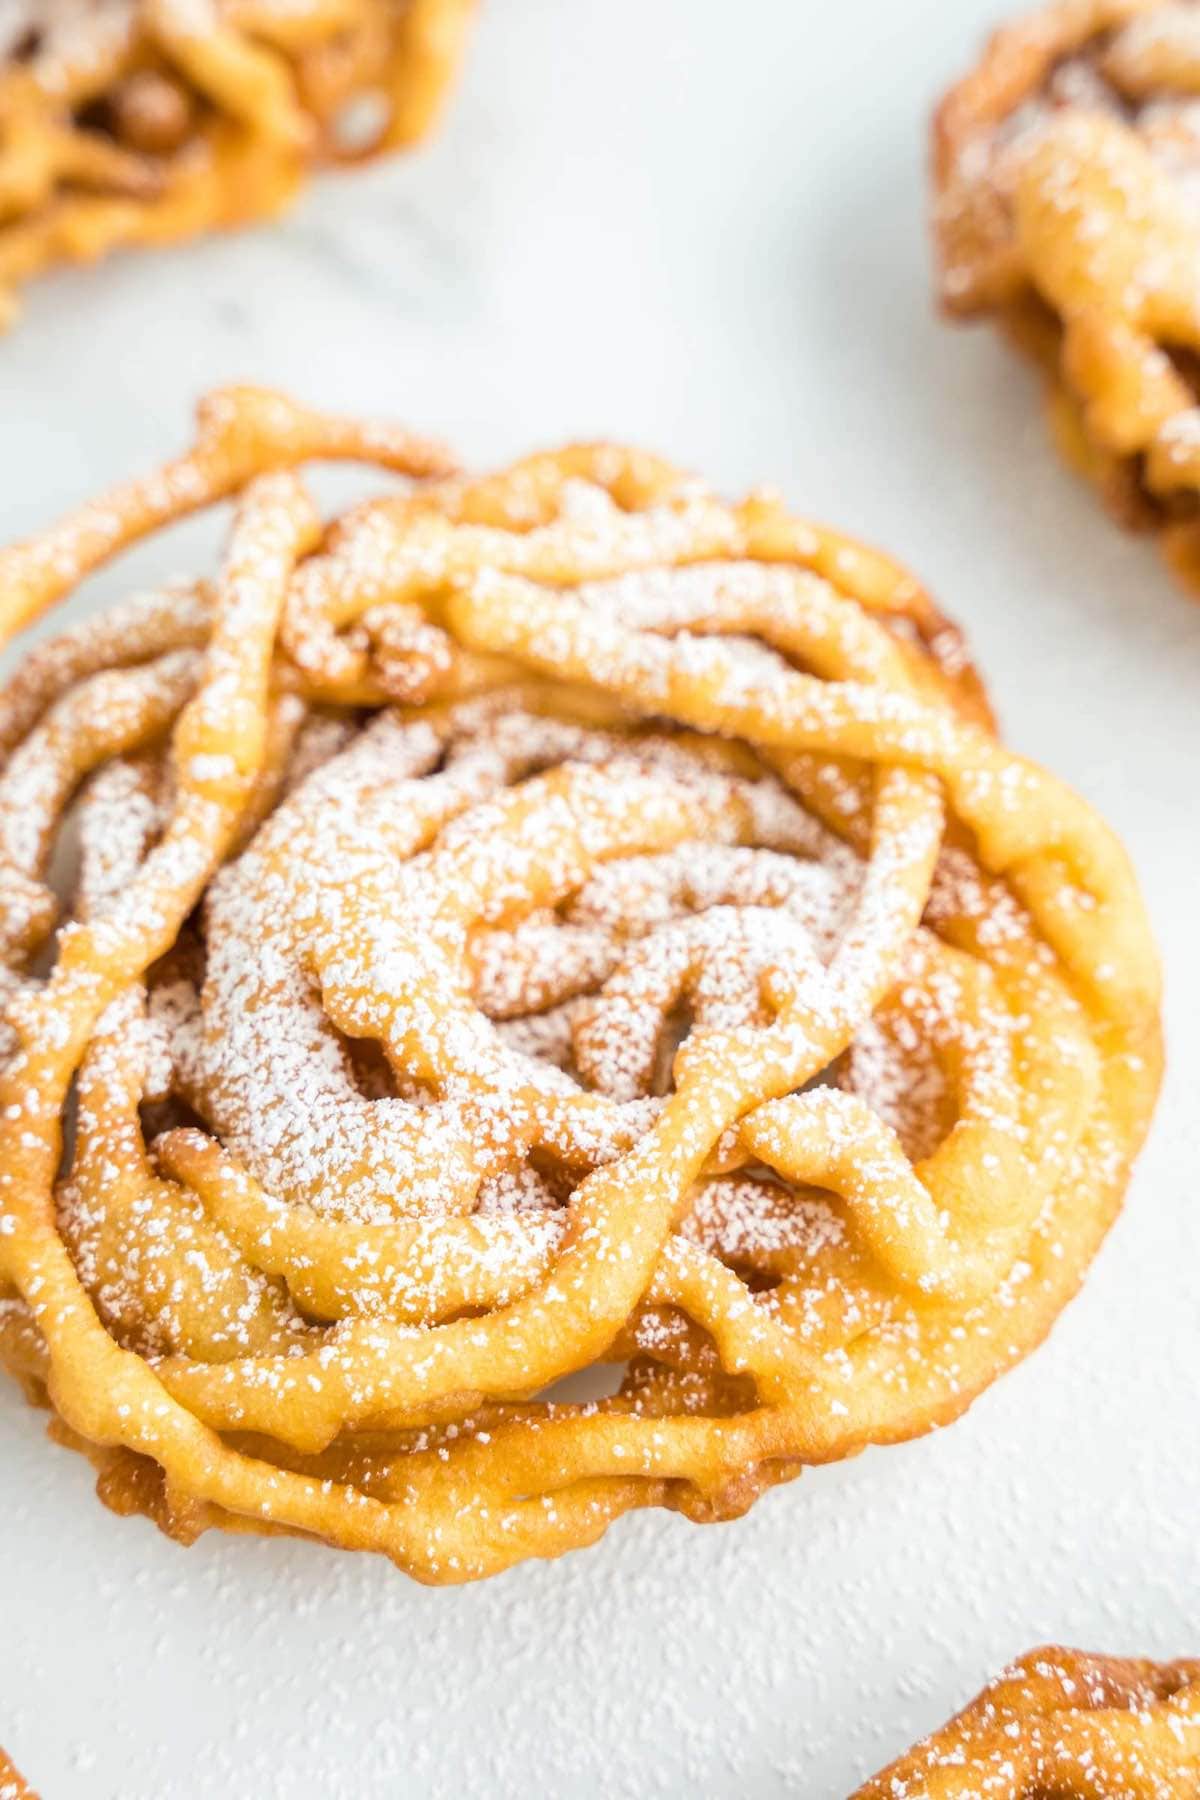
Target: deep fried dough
13,1786
1066,169
529,924
1064,1723
145,121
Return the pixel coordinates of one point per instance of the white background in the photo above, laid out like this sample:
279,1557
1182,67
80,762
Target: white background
699,226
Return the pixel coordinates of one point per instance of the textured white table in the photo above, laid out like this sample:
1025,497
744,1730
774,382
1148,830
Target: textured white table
647,220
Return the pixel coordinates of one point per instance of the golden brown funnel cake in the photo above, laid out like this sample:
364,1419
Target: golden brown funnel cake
12,1784
1064,1724
145,121
528,924
1067,171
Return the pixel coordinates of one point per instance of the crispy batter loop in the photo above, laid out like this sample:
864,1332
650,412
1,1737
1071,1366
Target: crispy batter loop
145,121
526,925
1067,175
1065,1723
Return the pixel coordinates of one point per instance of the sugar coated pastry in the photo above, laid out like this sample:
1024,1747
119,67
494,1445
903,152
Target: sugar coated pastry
12,1784
144,121
1062,1723
527,925
1067,173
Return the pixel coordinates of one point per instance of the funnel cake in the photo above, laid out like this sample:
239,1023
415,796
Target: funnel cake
1064,1723
145,121
1067,170
530,924
12,1784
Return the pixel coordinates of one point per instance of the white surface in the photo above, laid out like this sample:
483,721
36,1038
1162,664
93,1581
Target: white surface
700,226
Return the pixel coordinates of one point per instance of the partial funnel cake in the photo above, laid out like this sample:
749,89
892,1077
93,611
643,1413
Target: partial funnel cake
1064,1724
144,121
12,1784
527,925
1067,170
